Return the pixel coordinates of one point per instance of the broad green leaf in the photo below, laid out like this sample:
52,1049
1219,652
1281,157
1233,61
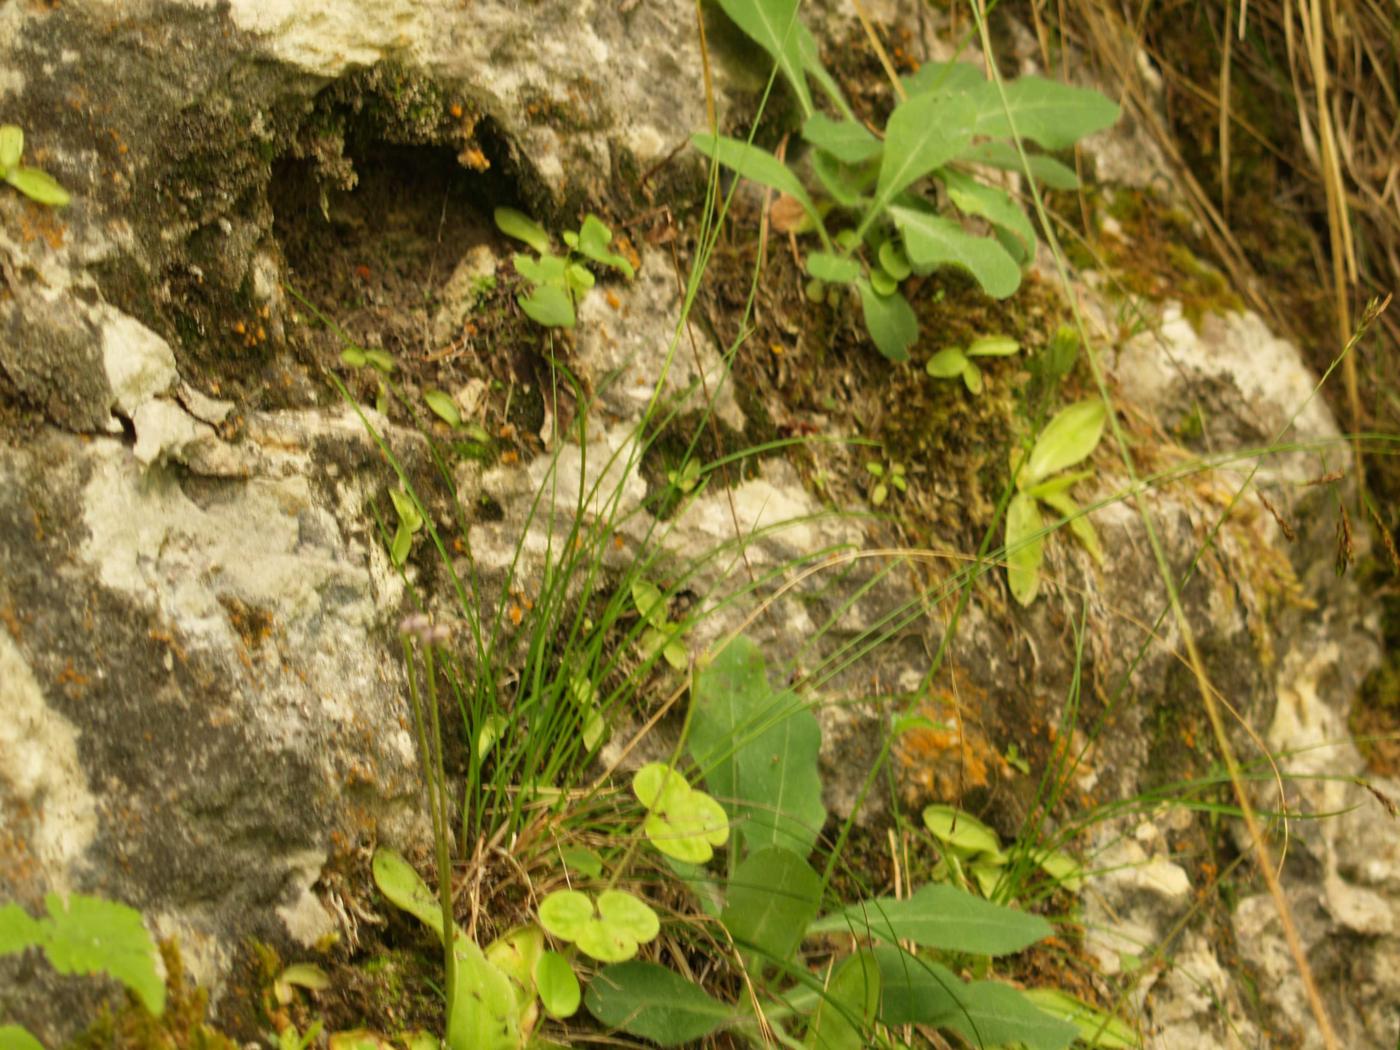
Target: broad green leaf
523,228
557,984
649,602
443,407
11,146
594,241
891,321
650,1001
398,881
995,1015
849,141
548,305
972,378
993,204
758,749
964,832
1048,112
38,186
18,929
354,357
772,896
948,363
923,133
774,26
837,269
1096,1029
13,1037
848,1006
86,935
1003,155
485,1012
993,346
940,917
1066,439
943,77
987,1013
1079,522
546,269
761,167
931,241
1025,548
846,184
1057,485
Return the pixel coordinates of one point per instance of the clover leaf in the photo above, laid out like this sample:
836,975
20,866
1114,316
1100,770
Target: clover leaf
681,822
609,929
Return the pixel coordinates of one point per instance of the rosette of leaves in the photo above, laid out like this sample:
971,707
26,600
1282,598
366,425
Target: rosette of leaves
609,927
971,847
889,475
661,635
682,822
37,185
1067,439
883,191
558,280
954,362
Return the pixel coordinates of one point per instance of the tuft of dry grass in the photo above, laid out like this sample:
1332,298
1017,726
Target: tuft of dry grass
1272,109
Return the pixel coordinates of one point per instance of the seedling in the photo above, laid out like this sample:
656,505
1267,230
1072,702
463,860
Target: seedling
410,522
1068,439
558,280
682,822
887,475
661,635
954,362
35,184
687,478
970,847
609,928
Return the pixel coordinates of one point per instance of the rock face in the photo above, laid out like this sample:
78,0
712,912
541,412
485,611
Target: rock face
202,698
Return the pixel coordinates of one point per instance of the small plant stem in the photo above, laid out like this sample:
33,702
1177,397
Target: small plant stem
434,775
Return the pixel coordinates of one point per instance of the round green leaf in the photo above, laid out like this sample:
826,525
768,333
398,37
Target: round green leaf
963,832
598,940
557,984
566,913
947,363
893,260
655,780
623,912
883,283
